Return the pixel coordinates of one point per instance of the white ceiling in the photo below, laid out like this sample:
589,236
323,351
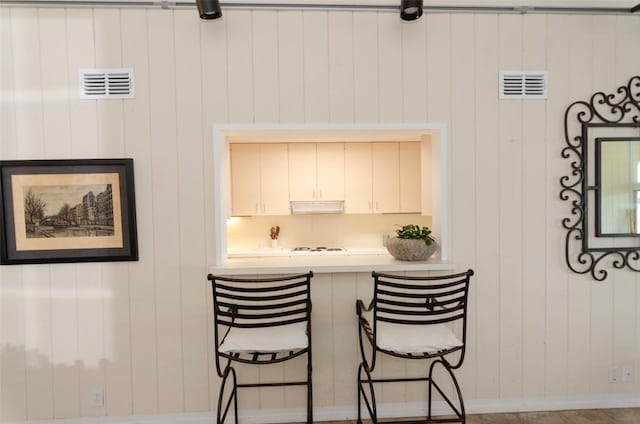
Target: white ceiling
473,3
596,4
546,3
427,3
555,4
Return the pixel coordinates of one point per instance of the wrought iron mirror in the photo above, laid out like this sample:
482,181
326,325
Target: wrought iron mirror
603,187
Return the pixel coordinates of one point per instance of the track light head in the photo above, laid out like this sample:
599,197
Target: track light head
410,10
209,9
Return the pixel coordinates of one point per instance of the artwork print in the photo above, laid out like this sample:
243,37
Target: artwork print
70,213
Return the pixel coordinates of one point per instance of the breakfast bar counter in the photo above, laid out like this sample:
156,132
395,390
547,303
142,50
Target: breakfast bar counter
284,264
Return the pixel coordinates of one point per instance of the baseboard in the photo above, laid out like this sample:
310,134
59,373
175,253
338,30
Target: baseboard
473,406
341,413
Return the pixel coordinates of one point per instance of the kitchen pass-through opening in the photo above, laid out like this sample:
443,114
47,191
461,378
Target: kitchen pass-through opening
338,230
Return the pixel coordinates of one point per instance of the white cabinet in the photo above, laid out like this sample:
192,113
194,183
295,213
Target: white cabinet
377,177
302,171
330,163
383,177
274,173
316,171
245,179
410,177
259,179
358,174
386,177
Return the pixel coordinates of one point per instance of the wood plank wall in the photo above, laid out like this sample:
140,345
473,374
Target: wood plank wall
140,330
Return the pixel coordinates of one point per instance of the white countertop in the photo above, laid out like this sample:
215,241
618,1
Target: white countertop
281,262
285,251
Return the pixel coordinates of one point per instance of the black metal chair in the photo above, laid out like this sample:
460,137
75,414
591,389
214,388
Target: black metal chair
419,318
260,321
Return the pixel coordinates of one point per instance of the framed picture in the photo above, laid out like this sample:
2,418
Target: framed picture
67,211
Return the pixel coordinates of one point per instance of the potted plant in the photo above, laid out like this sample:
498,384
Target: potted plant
413,243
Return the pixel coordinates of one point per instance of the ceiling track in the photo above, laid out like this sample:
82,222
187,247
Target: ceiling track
524,9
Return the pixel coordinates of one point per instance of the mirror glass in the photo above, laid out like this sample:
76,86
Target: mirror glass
618,182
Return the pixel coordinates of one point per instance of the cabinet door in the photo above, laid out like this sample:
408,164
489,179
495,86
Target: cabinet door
245,179
386,177
330,166
358,181
410,177
302,171
274,179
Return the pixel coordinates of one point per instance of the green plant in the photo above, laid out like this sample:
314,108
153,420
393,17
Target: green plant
411,231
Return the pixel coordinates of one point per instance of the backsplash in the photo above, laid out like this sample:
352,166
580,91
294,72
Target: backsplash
340,230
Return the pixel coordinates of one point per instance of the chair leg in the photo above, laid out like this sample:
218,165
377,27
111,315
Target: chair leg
235,398
309,390
369,403
359,421
222,415
430,392
460,413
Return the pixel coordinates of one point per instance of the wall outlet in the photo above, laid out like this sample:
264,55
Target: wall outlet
614,374
627,374
97,398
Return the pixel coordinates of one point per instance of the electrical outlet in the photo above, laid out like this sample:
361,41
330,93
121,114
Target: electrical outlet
627,374
614,374
97,398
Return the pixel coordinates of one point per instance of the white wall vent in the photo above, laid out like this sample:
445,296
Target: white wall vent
523,84
106,84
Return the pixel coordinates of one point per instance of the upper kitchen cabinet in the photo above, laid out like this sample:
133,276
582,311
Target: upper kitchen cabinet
410,177
386,177
259,179
383,177
302,170
358,180
330,171
316,171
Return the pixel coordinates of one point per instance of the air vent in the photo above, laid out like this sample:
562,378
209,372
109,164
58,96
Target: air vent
106,84
523,84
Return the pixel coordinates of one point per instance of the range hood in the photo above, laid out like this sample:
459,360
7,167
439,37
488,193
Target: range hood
317,206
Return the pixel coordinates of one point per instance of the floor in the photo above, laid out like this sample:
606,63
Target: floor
584,416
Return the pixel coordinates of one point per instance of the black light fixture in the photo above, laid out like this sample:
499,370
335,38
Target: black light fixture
209,9
635,8
410,10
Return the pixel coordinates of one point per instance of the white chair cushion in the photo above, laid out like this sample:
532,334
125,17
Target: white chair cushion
266,339
415,338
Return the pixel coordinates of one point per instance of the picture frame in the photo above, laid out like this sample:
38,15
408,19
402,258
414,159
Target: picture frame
68,210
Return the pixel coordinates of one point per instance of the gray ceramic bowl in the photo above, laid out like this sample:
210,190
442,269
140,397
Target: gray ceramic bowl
410,249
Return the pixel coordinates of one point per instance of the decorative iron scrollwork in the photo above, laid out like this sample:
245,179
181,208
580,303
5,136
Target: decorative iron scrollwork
617,110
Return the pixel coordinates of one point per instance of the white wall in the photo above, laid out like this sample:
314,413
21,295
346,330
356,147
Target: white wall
141,331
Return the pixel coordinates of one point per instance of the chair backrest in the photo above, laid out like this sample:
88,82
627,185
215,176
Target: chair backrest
421,300
261,302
